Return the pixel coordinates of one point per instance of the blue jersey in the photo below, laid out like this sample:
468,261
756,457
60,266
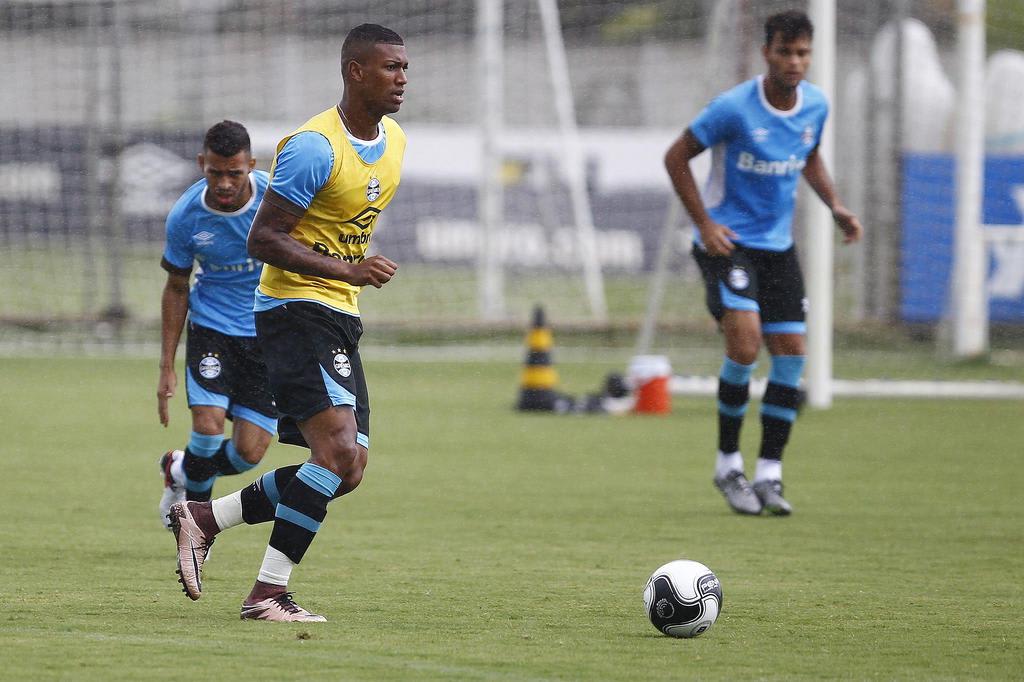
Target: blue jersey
226,278
758,154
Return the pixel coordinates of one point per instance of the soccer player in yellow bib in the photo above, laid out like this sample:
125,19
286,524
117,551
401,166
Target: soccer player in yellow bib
330,180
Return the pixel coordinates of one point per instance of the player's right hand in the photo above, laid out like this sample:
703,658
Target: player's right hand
717,239
164,392
375,271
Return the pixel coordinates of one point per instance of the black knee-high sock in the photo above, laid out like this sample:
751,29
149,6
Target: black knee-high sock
302,509
200,471
733,395
259,500
779,406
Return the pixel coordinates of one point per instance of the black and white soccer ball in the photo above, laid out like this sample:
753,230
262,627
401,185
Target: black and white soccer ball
683,598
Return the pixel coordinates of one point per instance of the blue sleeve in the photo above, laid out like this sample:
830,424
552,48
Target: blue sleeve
302,167
178,247
714,124
824,120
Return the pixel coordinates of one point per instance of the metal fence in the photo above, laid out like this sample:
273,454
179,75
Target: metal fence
107,102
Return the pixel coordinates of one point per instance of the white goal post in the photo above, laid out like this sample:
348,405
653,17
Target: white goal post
490,266
820,227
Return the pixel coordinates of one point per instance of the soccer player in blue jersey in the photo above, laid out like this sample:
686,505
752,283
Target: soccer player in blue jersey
225,375
763,134
330,180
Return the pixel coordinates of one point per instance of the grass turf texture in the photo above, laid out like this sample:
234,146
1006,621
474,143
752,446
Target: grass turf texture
490,545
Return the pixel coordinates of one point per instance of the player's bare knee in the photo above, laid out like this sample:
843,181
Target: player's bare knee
354,477
340,459
744,353
352,472
253,454
207,425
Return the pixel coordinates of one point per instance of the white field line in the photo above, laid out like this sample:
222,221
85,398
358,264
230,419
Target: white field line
873,388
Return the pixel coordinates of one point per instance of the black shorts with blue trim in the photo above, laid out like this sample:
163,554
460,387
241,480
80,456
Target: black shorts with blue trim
767,282
228,372
312,356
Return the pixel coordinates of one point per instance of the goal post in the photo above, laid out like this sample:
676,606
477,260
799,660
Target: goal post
820,227
490,202
574,161
969,300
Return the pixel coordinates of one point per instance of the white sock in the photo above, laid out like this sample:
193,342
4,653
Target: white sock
768,470
728,462
276,568
178,471
227,510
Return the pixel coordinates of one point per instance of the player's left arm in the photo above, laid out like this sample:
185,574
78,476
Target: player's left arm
818,178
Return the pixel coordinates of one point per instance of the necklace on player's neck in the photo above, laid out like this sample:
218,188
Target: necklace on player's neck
344,122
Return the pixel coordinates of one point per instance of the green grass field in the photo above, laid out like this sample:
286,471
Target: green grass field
490,545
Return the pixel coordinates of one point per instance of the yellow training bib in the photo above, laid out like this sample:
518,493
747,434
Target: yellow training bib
340,220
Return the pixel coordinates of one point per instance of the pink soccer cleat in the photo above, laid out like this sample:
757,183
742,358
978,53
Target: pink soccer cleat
193,549
280,608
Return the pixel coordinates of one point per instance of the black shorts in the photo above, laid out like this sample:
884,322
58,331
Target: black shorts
228,372
312,355
766,282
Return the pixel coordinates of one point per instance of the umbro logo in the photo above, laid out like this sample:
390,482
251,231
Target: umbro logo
365,219
759,134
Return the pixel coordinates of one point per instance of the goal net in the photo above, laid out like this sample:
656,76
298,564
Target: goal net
532,175
534,169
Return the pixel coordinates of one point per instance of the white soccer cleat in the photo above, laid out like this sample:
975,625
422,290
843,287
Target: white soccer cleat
174,483
281,608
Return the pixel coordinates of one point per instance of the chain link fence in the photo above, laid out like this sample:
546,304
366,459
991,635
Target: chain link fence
108,101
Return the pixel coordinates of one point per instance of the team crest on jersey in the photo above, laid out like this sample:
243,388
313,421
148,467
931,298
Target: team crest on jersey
738,278
759,134
342,365
204,238
807,137
209,367
373,189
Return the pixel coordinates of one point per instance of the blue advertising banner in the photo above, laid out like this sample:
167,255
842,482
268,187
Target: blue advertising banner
929,211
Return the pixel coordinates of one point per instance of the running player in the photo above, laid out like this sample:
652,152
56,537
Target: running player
224,371
330,180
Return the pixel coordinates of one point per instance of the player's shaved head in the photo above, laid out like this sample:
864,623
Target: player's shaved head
361,40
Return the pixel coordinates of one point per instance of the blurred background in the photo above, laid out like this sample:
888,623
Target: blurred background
106,103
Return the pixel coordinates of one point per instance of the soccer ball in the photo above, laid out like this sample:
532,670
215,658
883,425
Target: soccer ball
683,598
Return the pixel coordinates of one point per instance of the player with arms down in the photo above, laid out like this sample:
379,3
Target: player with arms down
330,180
225,375
764,134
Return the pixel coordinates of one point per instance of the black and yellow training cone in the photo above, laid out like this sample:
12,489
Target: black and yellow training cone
539,378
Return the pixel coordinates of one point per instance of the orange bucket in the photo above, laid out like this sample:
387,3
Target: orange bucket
649,375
